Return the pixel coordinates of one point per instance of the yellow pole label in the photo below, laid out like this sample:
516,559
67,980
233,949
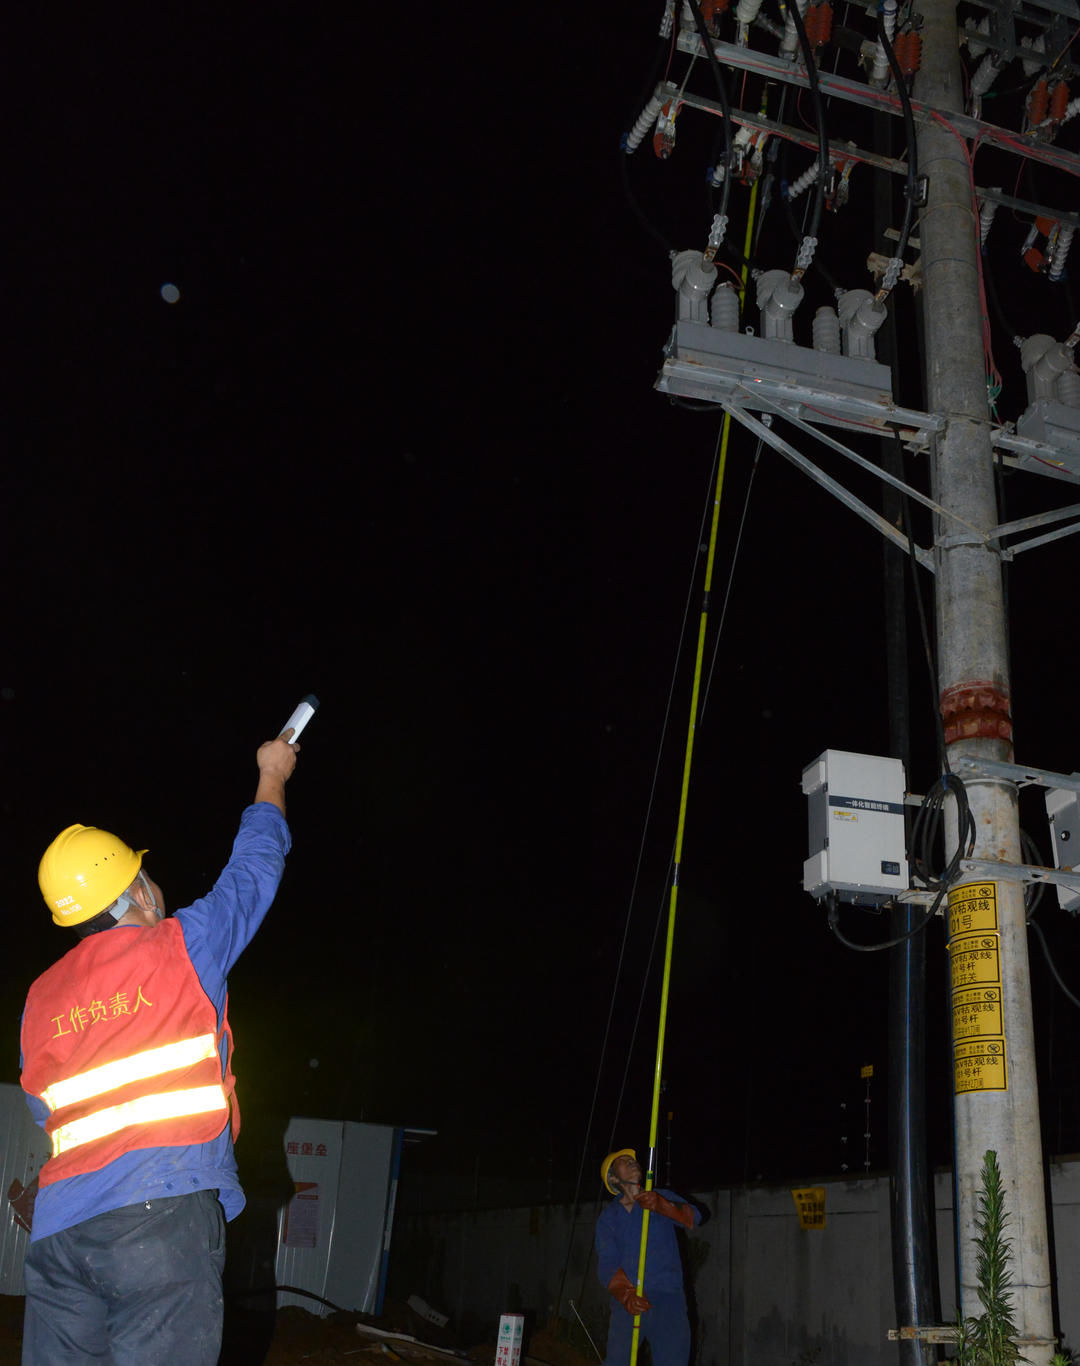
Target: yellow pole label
979,1062
977,1012
972,908
980,1066
810,1202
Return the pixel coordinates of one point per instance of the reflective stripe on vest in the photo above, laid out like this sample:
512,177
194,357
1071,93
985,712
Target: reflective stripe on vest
198,1100
151,1062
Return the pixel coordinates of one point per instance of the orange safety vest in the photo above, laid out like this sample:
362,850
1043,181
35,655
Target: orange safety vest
121,1042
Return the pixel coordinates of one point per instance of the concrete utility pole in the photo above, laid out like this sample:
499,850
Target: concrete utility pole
996,1096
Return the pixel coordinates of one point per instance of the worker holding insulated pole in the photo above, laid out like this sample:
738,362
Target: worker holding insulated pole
995,1091
667,1331
626,1220
621,1232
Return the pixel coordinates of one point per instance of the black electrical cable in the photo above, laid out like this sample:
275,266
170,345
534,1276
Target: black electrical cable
638,212
721,86
819,111
994,299
1033,855
911,193
1050,962
789,215
931,671
929,821
928,824
1033,891
834,927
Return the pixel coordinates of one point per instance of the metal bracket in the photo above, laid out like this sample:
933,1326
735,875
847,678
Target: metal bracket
991,870
922,191
968,766
931,1332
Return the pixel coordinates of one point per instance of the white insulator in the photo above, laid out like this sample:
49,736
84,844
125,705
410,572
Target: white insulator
724,309
987,209
667,23
1068,389
860,317
827,331
808,178
1031,45
790,40
986,73
879,72
1061,251
1044,361
643,123
746,11
686,18
778,296
1071,110
692,278
970,29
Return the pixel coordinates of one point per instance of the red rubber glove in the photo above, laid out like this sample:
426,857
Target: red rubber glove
624,1290
655,1203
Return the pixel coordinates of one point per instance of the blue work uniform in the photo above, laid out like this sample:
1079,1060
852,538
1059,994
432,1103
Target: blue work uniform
93,1234
665,1325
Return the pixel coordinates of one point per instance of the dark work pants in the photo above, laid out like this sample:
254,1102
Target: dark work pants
664,1327
138,1286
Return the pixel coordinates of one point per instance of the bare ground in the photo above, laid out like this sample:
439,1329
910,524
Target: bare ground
293,1336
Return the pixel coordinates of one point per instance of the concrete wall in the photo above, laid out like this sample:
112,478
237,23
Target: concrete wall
765,1292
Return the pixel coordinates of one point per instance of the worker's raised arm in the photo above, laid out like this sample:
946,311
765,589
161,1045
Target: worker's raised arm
276,760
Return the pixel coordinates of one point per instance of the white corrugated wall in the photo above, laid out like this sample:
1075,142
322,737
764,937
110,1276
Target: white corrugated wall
23,1149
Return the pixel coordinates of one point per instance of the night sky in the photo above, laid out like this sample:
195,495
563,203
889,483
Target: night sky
397,444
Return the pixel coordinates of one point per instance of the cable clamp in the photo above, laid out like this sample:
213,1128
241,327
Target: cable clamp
920,195
807,247
891,277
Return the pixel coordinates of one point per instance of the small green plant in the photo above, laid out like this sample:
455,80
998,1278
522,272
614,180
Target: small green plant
989,1338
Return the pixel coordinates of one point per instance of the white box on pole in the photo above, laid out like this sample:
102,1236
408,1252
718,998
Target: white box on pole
858,841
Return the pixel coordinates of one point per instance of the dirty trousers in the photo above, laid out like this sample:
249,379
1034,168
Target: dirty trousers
664,1327
138,1286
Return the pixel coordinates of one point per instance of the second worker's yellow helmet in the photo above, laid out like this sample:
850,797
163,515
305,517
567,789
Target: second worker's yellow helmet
83,871
608,1163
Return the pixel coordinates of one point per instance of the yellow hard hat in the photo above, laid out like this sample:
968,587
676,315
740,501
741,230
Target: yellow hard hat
608,1163
83,871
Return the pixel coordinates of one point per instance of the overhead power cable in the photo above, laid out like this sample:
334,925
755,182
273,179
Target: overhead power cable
911,189
721,87
809,242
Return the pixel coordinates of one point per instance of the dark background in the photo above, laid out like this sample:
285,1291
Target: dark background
397,444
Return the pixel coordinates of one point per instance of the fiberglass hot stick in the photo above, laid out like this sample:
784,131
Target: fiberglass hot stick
683,795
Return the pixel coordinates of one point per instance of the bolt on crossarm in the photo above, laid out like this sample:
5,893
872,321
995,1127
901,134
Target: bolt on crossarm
996,1101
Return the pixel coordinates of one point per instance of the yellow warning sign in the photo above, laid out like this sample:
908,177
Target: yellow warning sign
977,1012
979,1065
810,1202
974,961
973,908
